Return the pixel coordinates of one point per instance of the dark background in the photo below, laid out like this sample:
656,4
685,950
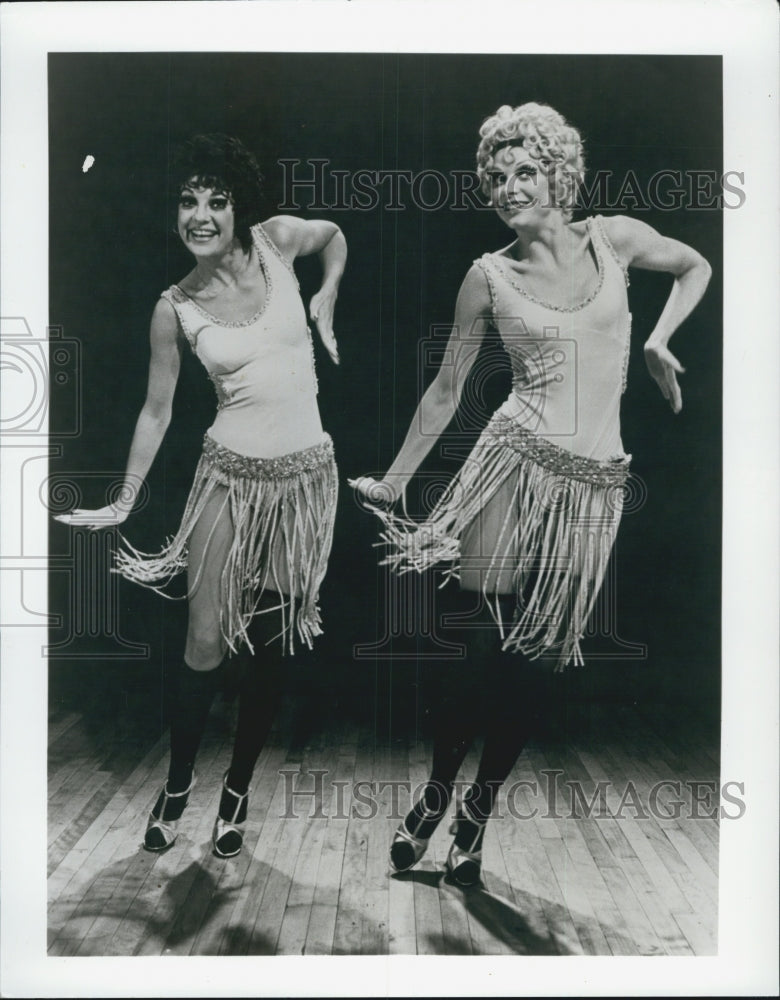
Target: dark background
112,252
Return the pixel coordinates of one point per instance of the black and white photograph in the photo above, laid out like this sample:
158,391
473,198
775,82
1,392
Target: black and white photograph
389,549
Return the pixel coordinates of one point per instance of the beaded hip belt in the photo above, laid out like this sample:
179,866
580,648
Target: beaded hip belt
501,430
232,463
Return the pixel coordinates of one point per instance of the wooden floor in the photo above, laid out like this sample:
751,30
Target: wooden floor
318,882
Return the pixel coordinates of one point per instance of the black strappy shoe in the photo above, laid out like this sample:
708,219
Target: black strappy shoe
161,827
408,847
228,833
464,864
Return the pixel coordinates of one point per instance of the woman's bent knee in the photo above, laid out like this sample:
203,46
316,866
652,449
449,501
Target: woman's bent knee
204,655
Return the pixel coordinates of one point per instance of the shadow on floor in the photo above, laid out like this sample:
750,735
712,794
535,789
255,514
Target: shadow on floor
501,919
131,909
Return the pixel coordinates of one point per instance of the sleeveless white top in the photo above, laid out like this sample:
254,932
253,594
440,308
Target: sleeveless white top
568,363
262,368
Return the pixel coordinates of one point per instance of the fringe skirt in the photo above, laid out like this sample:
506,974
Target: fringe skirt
550,541
281,512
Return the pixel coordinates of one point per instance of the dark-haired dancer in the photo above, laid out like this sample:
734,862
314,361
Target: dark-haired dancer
531,517
257,529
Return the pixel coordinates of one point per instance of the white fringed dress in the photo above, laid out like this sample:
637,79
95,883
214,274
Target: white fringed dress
281,506
535,508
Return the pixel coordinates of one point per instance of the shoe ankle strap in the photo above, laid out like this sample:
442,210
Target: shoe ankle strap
238,796
463,816
178,795
466,809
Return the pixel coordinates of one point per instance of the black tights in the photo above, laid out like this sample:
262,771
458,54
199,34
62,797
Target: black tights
257,681
501,695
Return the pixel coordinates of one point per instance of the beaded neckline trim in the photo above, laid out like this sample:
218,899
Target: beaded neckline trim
507,273
236,324
258,229
608,243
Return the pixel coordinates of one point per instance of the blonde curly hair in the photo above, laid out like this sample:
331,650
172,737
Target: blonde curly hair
547,136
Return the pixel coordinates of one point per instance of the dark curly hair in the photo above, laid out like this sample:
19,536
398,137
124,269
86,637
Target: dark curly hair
222,162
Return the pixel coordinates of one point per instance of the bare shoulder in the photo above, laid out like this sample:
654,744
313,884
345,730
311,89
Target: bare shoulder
474,294
285,231
296,237
639,245
165,323
627,234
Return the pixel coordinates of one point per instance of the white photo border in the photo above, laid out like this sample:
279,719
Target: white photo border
745,34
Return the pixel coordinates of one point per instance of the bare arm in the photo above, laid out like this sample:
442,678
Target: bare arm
639,245
299,238
152,423
442,397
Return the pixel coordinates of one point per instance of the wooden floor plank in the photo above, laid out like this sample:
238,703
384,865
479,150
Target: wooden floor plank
561,928
635,833
521,841
488,905
268,882
699,868
552,884
235,875
518,916
654,905
104,851
158,896
707,848
410,766
115,771
64,769
349,918
348,931
693,818
196,889
602,905
272,906
492,905
293,931
424,882
698,934
678,740
59,723
73,799
576,899
650,847
249,874
375,937
526,893
322,922
121,804
630,846
639,926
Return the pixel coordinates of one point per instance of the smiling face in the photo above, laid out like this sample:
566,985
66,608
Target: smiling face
205,220
519,188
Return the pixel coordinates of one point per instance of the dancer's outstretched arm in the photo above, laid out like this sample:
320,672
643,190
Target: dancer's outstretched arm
152,423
